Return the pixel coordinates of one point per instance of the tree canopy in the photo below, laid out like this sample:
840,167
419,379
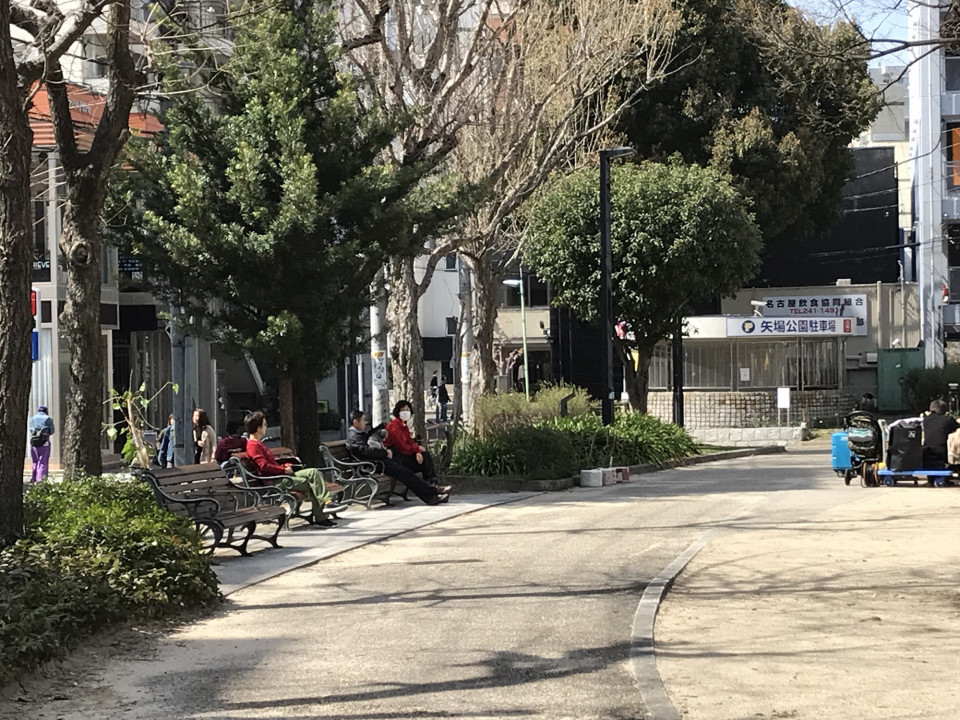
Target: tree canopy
267,217
752,98
679,233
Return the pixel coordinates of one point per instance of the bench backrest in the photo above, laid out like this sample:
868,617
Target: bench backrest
338,449
192,480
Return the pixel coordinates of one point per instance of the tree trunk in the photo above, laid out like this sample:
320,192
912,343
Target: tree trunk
406,345
81,245
636,379
483,366
285,398
307,420
461,402
16,255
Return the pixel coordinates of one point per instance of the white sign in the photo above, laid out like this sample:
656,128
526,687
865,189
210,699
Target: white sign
378,368
744,374
798,306
790,327
783,398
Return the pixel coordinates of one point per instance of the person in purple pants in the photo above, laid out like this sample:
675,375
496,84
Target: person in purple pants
40,429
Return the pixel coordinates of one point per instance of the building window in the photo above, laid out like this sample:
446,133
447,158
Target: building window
659,377
451,326
820,364
706,365
767,364
95,54
953,156
451,263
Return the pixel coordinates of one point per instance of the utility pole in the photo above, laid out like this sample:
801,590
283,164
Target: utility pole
380,385
606,282
462,389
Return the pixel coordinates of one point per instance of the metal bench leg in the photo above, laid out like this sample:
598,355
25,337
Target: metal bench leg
272,539
242,546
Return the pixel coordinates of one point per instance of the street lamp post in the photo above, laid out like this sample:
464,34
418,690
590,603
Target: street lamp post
518,283
606,280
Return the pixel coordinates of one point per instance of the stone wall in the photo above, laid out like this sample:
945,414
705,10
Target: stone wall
751,409
749,437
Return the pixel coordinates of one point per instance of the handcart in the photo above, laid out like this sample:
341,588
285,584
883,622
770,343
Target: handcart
940,477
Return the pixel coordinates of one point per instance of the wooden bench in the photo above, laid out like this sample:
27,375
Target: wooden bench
379,485
225,514
240,467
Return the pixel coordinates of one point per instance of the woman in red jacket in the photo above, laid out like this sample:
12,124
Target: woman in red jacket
405,449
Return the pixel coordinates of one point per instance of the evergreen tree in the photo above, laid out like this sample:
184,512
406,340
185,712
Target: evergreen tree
768,95
268,216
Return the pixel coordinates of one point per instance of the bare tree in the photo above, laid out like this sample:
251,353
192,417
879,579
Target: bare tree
514,90
427,60
549,106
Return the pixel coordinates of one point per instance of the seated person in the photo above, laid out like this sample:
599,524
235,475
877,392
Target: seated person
406,451
357,444
306,480
231,444
937,426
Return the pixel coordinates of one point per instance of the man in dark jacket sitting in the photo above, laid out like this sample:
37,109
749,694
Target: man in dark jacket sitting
937,426
358,444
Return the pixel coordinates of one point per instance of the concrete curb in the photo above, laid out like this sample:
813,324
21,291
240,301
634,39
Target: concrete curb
708,457
642,651
499,484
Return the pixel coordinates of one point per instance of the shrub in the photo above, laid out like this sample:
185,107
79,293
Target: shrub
95,551
497,413
537,453
922,385
556,447
329,420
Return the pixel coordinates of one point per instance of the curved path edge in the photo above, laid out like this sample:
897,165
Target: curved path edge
642,652
642,649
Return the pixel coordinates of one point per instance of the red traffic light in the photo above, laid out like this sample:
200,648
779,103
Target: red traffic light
33,303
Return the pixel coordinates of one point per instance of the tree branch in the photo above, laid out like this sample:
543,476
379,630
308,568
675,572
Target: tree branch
439,252
56,88
114,123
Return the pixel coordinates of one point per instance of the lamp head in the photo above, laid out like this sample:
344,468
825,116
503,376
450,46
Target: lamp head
758,303
620,151
512,282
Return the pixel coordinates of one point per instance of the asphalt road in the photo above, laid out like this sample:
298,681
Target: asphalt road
519,611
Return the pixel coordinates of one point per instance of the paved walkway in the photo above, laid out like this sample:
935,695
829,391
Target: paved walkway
306,544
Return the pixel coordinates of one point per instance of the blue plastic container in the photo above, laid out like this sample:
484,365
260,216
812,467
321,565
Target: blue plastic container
840,454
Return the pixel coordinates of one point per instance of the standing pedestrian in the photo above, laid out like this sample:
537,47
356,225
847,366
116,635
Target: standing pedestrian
165,454
40,429
443,399
204,437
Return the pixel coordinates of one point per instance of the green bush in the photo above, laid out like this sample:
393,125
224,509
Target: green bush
537,453
329,420
494,414
922,385
557,447
95,551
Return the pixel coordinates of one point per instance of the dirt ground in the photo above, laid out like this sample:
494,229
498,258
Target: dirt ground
851,613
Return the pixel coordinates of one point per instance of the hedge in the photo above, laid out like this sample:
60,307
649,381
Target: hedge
96,551
559,447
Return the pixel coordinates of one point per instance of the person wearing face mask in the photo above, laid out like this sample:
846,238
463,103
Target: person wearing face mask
405,449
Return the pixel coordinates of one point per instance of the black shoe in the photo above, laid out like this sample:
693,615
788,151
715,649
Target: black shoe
444,489
442,498
324,522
